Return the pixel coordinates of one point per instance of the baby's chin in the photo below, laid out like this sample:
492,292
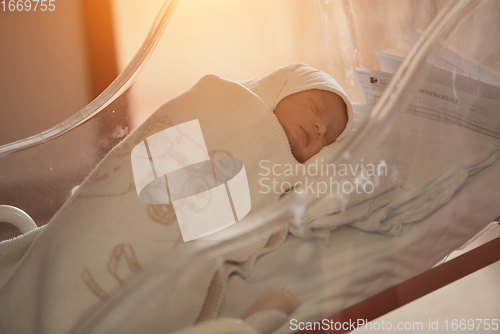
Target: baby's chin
300,155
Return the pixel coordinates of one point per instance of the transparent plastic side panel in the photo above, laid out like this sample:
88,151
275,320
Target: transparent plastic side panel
412,184
40,179
331,36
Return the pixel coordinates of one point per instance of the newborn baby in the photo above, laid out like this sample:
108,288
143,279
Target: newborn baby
105,234
311,107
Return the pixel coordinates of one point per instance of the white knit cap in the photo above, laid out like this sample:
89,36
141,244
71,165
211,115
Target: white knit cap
303,77
297,78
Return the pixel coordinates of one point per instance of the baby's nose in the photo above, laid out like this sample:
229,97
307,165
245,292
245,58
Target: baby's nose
320,129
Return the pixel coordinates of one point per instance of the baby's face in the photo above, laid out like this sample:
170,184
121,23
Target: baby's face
312,119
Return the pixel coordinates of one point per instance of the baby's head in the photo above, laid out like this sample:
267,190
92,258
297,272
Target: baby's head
312,119
313,110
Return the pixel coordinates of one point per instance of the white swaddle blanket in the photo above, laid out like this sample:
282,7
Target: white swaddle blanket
104,234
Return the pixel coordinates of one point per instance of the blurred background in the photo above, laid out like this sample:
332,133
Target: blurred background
53,63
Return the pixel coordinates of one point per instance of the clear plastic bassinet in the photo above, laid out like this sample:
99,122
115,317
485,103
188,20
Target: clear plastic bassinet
425,79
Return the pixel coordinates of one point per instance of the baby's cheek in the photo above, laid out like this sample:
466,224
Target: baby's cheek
295,145
312,150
